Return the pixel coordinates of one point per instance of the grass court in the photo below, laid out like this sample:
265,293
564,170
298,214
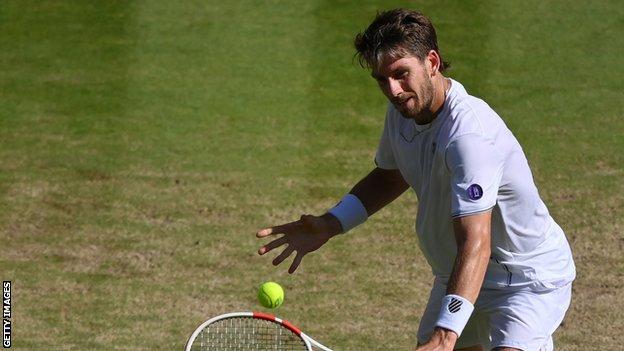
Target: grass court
143,143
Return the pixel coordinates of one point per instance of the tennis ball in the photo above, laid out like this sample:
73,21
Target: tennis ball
271,295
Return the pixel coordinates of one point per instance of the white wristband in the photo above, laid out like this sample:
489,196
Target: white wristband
454,313
350,212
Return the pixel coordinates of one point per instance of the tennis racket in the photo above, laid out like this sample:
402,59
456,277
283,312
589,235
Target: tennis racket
250,331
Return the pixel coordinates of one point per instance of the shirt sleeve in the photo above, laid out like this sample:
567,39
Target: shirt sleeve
385,157
476,170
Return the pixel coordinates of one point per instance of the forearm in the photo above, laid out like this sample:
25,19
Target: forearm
379,188
469,270
472,235
473,254
466,280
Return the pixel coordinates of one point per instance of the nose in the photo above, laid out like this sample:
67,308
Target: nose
395,87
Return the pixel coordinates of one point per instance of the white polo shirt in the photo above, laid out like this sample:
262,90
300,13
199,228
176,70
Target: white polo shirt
467,161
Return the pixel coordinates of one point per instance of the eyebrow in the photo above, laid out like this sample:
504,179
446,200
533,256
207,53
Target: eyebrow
376,76
397,70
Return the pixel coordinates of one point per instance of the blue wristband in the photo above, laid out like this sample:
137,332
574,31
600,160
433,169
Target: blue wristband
350,212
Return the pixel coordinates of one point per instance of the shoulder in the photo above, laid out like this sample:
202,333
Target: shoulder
467,114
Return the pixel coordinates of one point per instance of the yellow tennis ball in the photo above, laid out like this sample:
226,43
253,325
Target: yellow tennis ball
271,295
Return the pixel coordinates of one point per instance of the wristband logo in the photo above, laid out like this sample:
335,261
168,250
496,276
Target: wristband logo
475,192
454,305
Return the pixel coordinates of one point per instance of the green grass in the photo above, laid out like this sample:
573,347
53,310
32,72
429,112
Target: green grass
142,144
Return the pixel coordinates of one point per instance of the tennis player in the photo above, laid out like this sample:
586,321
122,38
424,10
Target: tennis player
503,267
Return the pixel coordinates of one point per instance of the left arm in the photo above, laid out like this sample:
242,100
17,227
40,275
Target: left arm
476,169
472,234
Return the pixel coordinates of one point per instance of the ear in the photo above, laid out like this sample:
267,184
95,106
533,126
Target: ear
433,62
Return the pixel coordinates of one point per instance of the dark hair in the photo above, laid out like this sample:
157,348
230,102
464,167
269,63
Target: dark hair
397,33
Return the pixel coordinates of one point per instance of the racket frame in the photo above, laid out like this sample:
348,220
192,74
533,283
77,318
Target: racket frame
308,341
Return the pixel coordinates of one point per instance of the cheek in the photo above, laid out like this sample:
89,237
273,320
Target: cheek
385,90
424,89
414,85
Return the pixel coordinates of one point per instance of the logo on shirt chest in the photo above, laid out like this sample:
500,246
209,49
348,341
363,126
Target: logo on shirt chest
475,192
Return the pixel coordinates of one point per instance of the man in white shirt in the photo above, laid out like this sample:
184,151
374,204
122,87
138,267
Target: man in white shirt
503,268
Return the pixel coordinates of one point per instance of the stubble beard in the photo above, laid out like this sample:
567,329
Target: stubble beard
421,112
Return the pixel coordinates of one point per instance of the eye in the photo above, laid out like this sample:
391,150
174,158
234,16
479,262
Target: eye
401,74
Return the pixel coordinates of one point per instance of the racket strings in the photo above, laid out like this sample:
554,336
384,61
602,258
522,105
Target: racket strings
246,333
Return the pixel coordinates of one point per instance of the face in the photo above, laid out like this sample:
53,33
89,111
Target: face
406,82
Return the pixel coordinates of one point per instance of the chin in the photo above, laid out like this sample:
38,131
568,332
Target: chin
409,113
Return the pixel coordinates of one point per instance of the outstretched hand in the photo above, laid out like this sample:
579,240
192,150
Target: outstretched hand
304,236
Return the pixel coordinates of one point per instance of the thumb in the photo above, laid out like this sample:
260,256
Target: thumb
306,219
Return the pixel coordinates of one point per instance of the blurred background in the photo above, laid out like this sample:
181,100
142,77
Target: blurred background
143,143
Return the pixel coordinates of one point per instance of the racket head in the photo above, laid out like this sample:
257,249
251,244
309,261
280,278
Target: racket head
247,331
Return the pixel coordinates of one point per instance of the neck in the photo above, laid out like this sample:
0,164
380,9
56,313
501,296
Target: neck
440,86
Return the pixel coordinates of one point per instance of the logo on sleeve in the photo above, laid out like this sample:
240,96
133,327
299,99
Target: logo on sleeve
454,305
475,192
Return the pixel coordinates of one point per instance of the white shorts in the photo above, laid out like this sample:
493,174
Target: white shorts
519,318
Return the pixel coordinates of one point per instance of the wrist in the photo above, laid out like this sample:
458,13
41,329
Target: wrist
350,212
454,313
333,226
444,337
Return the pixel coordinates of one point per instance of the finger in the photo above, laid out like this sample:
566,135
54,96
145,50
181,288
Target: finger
296,262
280,229
284,255
273,244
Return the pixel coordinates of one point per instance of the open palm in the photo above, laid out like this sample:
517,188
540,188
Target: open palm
303,236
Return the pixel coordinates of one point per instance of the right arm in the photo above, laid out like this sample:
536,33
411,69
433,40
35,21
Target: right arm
379,188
